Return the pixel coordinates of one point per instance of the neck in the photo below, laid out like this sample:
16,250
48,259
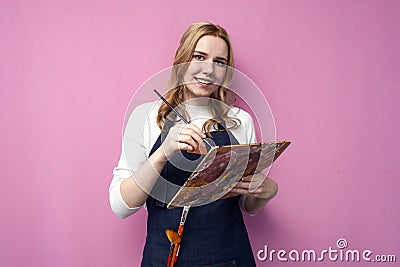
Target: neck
198,101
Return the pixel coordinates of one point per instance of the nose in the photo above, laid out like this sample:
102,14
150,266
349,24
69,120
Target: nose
208,67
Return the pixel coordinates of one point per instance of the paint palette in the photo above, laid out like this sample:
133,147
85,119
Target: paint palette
222,168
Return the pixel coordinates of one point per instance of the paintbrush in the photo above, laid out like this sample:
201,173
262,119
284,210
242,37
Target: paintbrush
185,212
175,239
183,119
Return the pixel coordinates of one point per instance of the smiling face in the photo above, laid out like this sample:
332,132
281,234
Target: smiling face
208,67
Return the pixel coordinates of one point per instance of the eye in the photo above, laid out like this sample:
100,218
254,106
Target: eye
198,57
219,63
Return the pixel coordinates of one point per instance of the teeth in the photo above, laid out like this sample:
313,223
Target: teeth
203,81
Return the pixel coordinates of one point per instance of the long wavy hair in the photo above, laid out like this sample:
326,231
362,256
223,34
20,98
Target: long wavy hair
175,94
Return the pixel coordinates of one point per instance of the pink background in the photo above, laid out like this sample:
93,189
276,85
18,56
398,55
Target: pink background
330,70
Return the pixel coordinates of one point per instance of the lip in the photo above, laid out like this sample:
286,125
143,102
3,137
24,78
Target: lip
202,84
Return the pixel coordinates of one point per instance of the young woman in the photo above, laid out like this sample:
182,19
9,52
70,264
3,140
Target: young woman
215,234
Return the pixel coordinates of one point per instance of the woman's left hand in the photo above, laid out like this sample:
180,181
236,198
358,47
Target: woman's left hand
257,185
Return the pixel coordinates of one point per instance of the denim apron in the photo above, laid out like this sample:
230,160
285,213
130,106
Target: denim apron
214,234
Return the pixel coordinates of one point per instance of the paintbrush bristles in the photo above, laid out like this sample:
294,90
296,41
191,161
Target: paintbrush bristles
173,236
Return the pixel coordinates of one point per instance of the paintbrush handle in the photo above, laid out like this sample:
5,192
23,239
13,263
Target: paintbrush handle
174,255
177,113
185,212
170,106
171,251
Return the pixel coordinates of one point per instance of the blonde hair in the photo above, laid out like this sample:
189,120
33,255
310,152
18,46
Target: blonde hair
184,54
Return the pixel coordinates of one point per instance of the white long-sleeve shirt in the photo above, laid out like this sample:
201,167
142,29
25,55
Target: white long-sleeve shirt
142,132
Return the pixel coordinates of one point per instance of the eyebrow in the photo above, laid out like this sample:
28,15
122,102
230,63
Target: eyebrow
205,54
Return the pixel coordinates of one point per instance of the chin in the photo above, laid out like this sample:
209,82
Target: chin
198,91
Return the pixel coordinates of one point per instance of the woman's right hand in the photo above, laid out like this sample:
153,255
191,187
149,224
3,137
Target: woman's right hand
183,137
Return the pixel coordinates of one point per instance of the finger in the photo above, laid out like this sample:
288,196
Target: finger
257,193
242,185
251,184
257,180
240,191
247,178
198,136
198,144
187,139
255,177
248,186
230,194
196,132
185,146
254,185
196,129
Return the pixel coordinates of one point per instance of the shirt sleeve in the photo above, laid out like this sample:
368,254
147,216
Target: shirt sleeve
132,157
117,203
250,129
